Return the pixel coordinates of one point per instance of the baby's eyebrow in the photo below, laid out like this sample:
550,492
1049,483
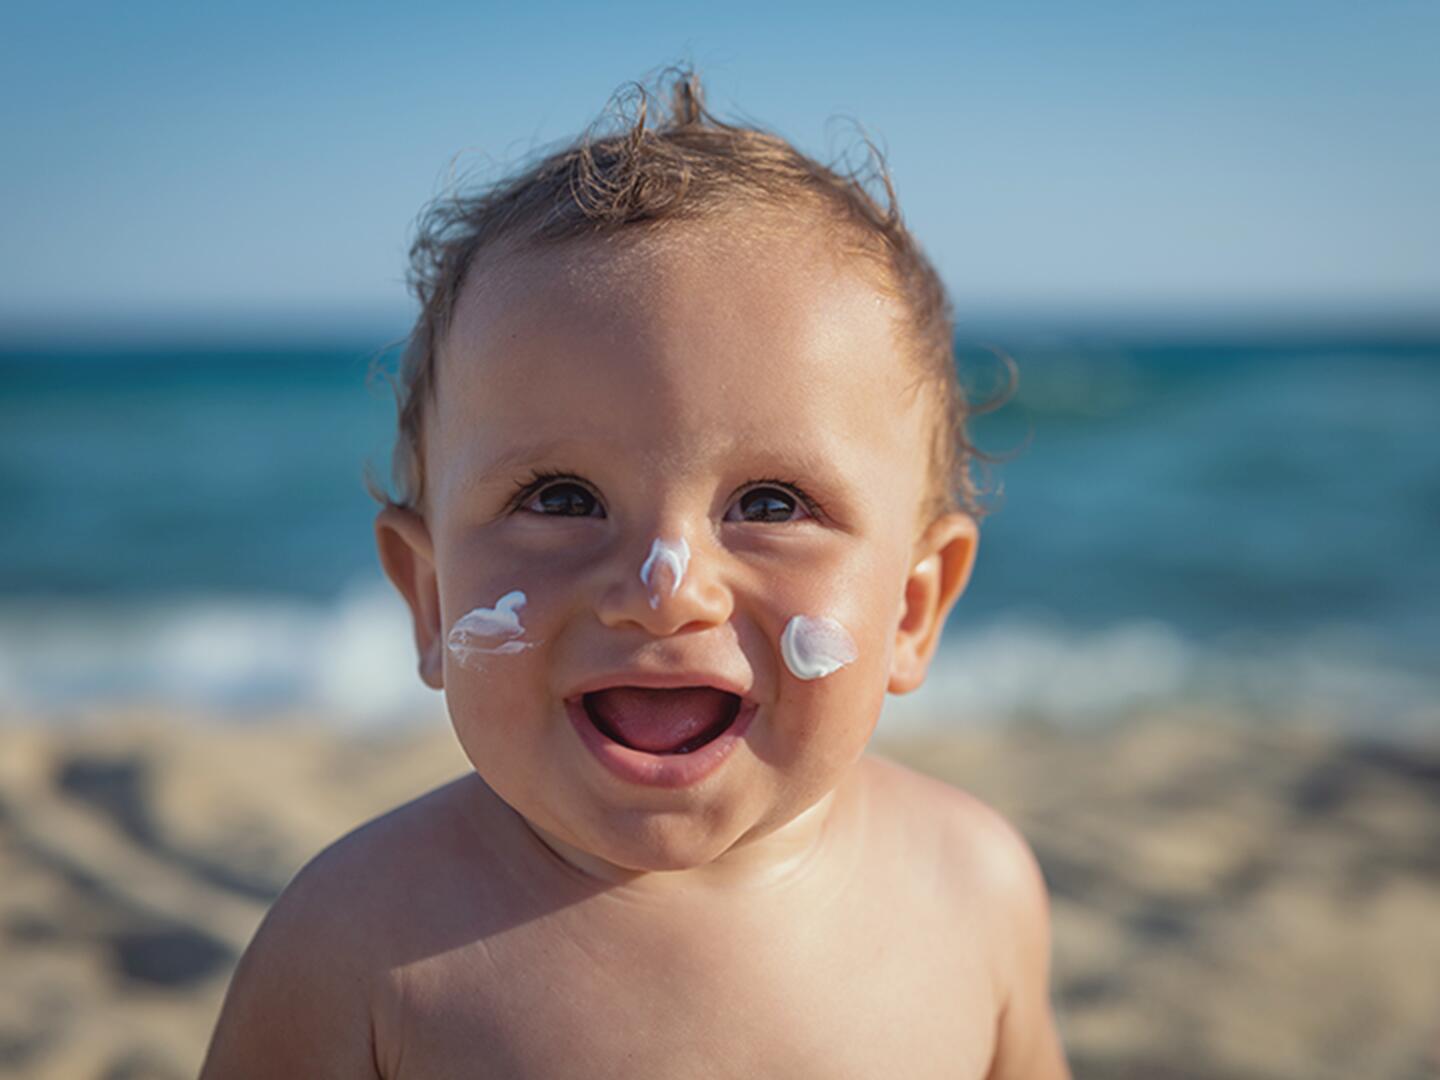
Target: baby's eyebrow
514,456
482,471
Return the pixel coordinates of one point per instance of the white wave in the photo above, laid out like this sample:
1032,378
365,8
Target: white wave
1034,667
352,661
1024,666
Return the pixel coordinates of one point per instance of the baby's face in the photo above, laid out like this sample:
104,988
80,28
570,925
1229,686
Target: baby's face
672,450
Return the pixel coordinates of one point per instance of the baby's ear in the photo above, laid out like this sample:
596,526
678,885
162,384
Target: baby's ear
408,557
944,556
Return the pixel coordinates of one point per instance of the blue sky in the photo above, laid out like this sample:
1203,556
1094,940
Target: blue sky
223,163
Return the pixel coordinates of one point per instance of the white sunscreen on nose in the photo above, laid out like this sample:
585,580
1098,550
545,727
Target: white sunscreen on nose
489,631
814,647
667,558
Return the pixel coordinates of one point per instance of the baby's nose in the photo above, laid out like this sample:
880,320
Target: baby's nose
669,588
663,571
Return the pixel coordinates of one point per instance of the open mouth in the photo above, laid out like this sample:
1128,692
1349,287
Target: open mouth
676,721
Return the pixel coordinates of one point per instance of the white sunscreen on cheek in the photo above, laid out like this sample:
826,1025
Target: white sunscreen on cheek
489,631
667,559
814,647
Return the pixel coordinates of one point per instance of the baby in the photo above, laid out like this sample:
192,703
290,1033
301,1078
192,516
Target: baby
683,491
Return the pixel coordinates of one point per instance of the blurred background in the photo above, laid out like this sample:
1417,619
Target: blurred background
1197,664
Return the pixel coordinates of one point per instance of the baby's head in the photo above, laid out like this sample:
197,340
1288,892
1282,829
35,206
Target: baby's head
682,483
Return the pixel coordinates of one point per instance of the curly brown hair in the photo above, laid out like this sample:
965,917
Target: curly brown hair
646,165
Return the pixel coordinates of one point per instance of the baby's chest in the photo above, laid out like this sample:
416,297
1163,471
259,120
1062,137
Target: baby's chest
867,1009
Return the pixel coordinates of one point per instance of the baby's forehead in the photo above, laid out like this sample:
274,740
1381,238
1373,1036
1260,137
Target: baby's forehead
633,263
778,275
693,329
695,324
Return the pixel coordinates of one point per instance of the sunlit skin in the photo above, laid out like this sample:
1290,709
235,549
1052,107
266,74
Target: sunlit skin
802,909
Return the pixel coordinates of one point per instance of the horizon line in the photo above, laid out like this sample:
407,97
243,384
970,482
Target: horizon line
1399,320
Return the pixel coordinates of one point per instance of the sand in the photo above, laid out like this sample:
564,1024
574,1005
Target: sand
1230,899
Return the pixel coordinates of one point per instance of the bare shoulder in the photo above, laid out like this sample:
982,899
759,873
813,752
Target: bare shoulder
984,851
305,996
987,868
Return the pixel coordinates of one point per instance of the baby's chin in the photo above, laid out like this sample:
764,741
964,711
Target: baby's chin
761,847
650,842
621,856
619,844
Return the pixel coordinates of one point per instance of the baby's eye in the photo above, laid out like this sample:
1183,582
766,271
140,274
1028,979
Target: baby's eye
563,499
766,504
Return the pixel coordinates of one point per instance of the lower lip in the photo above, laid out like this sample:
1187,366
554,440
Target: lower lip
659,770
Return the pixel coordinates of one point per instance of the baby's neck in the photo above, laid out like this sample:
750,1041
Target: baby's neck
779,859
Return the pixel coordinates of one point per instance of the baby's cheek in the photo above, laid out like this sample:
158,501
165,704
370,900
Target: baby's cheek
496,705
814,646
831,640
495,650
487,633
825,628
821,727
829,652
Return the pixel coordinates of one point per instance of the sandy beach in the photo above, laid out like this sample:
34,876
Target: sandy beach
1230,900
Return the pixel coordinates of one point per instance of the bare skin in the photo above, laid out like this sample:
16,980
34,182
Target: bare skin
911,941
801,910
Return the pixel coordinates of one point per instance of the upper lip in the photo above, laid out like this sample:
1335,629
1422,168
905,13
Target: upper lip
661,680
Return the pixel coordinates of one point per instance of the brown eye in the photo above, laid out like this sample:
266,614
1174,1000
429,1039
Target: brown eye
765,505
564,499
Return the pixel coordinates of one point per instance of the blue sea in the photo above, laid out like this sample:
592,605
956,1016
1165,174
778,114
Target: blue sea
1248,523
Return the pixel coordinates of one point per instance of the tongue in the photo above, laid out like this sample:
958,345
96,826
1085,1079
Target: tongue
660,721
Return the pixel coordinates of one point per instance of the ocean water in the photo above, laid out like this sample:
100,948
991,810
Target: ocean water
1251,523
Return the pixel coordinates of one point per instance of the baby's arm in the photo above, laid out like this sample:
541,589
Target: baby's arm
1028,1044
298,1005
